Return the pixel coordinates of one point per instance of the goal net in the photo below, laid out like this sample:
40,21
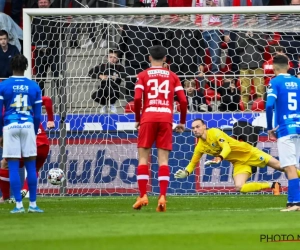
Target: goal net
87,61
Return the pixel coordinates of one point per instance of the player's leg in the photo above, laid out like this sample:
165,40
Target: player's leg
274,163
42,154
146,137
240,176
29,152
163,178
4,182
164,146
12,153
287,150
261,159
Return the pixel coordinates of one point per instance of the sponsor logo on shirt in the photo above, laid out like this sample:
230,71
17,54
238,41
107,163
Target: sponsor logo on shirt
294,126
158,109
19,126
291,85
20,88
158,72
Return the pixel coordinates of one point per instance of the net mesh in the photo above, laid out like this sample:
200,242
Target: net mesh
223,61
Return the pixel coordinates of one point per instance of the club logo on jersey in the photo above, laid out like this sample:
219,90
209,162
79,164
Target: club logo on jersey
270,91
221,140
261,158
291,85
20,88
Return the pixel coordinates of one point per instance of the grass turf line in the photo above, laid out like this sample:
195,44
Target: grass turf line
201,222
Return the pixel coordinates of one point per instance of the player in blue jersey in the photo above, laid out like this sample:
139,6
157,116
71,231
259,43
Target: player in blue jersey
22,100
284,97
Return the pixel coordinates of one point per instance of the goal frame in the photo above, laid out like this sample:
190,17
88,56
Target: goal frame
29,13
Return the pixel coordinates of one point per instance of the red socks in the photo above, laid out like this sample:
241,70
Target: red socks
4,183
163,178
142,178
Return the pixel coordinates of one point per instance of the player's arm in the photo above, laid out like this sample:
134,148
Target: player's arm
37,111
138,94
223,143
182,173
47,103
183,104
271,98
1,115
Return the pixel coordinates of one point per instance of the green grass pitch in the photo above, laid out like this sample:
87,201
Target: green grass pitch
109,223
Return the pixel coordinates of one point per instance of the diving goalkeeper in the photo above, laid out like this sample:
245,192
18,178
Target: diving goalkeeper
241,154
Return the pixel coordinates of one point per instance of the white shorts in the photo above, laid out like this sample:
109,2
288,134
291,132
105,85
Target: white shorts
19,140
289,150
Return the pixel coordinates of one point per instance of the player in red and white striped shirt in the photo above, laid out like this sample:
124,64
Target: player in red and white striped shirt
42,154
156,86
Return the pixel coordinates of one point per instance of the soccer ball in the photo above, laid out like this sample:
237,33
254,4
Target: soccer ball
55,176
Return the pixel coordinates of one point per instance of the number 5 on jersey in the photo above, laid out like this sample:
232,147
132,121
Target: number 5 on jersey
292,101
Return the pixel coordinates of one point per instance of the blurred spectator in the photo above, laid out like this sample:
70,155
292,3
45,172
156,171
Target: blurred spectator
153,3
15,33
230,95
134,43
16,9
275,2
250,48
120,3
298,68
92,27
31,3
110,74
7,52
185,50
230,37
291,41
46,38
180,3
196,100
212,37
268,65
2,5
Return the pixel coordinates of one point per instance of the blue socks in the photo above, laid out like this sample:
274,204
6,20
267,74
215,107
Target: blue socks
294,191
14,178
31,179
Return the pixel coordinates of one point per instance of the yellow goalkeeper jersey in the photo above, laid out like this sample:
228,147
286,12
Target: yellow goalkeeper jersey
219,143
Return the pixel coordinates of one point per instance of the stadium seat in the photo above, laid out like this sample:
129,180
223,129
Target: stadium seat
207,61
258,105
210,95
241,106
129,108
176,107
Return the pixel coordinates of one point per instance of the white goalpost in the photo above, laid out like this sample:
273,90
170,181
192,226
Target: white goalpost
95,143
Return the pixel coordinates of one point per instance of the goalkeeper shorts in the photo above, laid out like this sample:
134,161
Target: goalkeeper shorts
257,158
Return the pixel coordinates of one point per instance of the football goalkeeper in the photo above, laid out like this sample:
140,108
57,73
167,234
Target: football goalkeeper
241,154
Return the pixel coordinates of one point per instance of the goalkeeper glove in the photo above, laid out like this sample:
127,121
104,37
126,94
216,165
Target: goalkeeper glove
181,173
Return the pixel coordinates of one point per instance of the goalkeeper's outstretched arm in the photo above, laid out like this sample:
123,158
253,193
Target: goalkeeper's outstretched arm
183,173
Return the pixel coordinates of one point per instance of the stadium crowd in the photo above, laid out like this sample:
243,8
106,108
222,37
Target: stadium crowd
233,67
